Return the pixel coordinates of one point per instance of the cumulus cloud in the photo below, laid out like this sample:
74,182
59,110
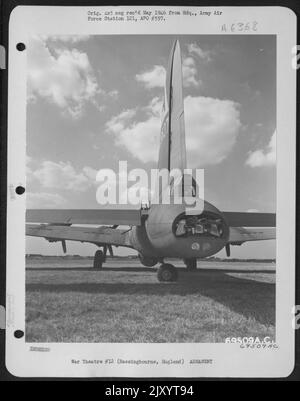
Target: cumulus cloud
263,157
190,73
153,78
154,107
212,127
72,39
195,50
63,77
117,123
43,200
156,76
140,138
62,176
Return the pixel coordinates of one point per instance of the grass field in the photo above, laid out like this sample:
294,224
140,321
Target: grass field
67,301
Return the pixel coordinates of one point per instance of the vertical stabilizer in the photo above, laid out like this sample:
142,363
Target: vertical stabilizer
172,152
180,184
177,127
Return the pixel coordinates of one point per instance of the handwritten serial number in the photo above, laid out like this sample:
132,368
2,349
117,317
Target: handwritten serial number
240,27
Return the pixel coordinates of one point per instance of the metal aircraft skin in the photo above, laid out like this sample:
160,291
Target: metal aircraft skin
162,230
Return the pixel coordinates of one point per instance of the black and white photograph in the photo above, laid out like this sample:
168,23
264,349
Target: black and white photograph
93,101
155,185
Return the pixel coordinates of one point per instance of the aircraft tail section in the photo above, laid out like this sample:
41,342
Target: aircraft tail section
172,153
177,126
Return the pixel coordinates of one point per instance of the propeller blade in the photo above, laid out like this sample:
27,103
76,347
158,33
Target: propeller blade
64,246
227,247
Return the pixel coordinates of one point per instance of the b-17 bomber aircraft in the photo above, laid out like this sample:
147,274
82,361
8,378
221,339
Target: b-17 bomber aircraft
161,230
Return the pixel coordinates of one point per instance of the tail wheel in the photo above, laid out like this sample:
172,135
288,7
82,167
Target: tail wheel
98,260
191,264
167,273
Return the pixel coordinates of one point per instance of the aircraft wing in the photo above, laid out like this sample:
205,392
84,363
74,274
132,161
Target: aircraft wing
238,235
96,235
121,216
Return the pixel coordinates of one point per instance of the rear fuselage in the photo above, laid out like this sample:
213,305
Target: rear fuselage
169,232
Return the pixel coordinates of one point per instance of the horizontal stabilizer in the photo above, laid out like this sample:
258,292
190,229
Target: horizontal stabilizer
245,219
239,235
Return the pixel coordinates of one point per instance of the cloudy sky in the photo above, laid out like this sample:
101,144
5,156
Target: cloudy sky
95,100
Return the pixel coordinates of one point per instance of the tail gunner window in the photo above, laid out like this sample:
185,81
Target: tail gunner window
199,225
